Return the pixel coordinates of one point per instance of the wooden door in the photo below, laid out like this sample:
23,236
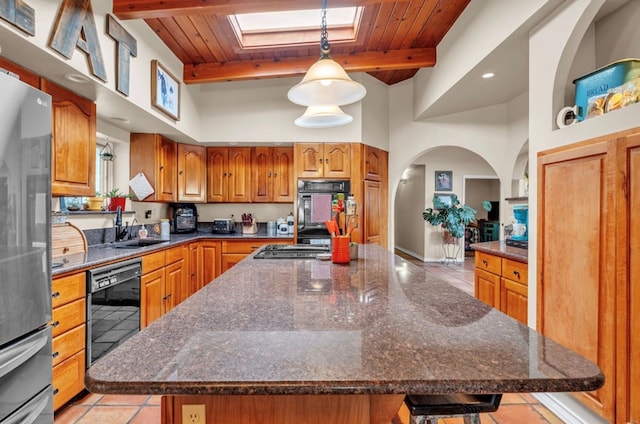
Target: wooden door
283,180
152,297
73,149
309,160
192,173
217,169
628,270
211,257
576,244
487,287
337,160
262,174
372,212
239,184
166,170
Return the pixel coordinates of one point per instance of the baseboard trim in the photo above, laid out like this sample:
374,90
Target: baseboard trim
568,409
410,253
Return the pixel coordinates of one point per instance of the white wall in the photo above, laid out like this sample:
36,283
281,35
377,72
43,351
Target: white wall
409,224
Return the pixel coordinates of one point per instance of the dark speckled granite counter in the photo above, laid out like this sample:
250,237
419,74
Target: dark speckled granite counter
499,248
100,254
379,325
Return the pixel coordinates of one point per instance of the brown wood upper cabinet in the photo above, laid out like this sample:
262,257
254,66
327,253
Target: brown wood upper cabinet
192,173
155,156
272,174
323,160
229,174
375,163
25,75
74,142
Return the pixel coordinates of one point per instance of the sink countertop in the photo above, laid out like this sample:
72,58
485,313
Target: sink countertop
379,325
97,255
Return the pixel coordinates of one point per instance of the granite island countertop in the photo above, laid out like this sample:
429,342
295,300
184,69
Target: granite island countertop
379,325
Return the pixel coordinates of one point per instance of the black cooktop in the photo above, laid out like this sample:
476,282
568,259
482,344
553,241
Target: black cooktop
290,251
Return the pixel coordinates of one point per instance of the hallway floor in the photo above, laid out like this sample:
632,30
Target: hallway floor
127,409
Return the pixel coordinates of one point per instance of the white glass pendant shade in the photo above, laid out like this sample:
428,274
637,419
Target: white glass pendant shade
322,117
326,83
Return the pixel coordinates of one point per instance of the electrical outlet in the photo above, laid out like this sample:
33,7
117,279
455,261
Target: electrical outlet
193,414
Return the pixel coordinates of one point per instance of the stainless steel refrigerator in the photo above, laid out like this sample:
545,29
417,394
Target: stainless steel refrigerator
25,257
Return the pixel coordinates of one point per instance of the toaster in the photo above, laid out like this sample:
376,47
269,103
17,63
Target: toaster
223,226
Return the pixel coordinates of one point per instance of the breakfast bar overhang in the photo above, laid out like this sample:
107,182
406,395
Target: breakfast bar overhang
290,339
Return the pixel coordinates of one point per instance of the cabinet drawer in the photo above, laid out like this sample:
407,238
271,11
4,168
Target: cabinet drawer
516,271
67,316
174,254
152,261
68,379
68,289
247,246
68,344
488,262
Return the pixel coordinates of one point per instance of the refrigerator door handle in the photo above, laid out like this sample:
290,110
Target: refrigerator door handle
30,411
17,354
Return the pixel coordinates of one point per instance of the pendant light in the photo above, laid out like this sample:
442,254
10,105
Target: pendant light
326,82
322,117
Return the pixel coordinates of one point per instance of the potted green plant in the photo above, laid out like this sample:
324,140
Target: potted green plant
452,217
117,199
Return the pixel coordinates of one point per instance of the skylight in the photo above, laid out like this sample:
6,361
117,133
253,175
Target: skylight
294,27
294,20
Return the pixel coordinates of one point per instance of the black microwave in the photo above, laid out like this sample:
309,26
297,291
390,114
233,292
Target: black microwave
184,217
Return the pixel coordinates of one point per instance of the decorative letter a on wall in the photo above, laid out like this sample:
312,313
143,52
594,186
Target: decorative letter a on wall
76,27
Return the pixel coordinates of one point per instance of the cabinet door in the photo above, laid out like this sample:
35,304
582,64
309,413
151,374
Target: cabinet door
25,76
487,287
217,169
239,184
309,160
262,174
337,160
230,259
166,170
629,266
513,299
375,213
68,379
192,173
73,152
152,297
576,244
283,181
375,163
210,261
176,278
195,268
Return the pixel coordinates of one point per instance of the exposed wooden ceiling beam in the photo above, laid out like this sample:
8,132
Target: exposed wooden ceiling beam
145,9
289,67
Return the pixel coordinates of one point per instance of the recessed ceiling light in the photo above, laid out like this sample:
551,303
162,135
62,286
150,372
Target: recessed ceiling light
120,119
488,75
80,79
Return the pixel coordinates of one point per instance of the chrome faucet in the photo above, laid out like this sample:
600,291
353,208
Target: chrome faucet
121,233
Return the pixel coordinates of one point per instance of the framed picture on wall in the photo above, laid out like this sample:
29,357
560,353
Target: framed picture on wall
444,180
165,91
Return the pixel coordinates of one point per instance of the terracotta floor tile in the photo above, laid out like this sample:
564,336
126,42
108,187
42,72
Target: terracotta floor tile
548,415
71,414
90,399
154,400
515,414
108,414
512,398
529,399
123,400
147,415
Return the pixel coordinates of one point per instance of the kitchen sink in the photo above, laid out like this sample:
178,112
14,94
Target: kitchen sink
140,243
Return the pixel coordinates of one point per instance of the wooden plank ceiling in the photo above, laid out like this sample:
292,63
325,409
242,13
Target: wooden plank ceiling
394,39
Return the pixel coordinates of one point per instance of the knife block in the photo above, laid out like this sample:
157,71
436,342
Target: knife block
250,228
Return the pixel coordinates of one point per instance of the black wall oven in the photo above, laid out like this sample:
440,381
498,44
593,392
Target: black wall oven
315,198
113,306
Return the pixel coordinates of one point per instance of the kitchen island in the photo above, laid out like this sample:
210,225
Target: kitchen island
286,339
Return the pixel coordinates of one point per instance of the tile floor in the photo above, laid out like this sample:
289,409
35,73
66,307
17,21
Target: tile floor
120,409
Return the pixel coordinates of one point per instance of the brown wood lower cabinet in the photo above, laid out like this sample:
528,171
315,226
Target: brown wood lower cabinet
69,336
503,284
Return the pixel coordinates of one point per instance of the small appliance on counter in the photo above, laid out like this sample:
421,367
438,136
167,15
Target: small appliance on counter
184,217
520,234
223,226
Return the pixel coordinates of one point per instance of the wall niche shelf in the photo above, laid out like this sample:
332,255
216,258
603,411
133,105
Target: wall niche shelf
517,199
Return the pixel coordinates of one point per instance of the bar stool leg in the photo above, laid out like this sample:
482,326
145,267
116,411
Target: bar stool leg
472,419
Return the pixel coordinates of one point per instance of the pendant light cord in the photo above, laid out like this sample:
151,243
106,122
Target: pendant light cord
325,47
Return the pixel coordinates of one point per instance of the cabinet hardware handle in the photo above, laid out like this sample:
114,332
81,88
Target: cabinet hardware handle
326,160
55,323
484,262
181,172
224,174
320,160
161,168
229,173
55,295
269,174
55,391
275,174
55,354
516,273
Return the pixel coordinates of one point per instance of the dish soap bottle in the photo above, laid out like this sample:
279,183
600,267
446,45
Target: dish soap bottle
142,232
290,223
